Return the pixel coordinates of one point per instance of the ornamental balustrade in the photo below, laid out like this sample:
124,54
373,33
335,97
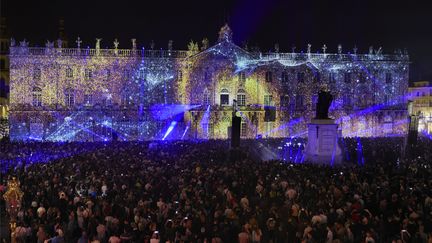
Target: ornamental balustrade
43,51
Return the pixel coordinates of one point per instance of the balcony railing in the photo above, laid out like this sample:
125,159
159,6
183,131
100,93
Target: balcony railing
40,51
18,50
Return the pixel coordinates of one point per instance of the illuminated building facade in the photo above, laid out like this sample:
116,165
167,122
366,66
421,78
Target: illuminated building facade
421,95
136,94
4,77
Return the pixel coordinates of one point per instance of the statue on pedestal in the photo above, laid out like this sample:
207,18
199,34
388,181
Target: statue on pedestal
134,47
324,101
78,42
322,146
116,43
98,40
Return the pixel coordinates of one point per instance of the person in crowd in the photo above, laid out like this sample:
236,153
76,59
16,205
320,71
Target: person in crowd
188,191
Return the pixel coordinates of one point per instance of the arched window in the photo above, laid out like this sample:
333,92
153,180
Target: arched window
269,76
69,72
241,97
37,96
224,97
69,97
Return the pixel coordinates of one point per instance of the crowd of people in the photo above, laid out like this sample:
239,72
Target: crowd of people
186,191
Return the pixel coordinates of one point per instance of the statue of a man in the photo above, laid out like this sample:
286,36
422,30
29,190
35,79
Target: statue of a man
98,40
59,43
324,101
116,43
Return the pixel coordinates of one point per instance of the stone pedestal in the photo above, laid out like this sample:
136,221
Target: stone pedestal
322,146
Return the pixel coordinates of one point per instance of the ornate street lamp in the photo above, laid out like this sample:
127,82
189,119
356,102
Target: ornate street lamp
13,197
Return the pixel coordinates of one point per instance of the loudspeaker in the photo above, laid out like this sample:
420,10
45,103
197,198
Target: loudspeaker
235,131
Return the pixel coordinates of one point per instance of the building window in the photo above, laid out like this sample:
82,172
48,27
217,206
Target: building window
362,78
332,77
299,101
36,73
88,73
268,100
37,96
347,78
179,75
242,77
317,77
269,76
142,74
268,127
284,101
388,78
208,130
69,73
108,73
241,97
87,99
314,101
284,78
207,75
69,98
224,97
243,129
347,100
300,77
125,99
206,98
126,74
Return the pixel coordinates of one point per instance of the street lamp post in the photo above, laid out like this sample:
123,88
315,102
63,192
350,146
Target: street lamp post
13,197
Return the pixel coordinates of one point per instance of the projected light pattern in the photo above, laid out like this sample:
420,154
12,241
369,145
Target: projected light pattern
170,129
137,94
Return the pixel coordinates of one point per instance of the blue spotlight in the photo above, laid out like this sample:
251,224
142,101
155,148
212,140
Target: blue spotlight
163,112
184,133
169,130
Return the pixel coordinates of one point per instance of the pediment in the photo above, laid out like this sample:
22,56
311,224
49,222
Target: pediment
225,49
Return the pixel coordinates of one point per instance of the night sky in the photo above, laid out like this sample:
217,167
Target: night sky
389,24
